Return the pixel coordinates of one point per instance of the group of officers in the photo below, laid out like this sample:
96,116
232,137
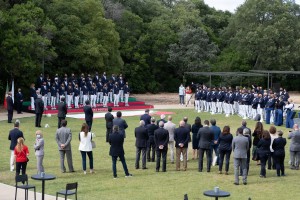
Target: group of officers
255,103
98,89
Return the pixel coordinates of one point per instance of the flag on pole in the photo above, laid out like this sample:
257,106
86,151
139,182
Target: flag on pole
13,90
5,95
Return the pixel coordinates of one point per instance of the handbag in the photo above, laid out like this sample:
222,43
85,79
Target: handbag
93,142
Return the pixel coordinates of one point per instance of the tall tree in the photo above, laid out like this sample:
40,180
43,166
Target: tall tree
193,52
267,33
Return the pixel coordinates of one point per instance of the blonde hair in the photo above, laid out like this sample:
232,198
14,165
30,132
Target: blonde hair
39,132
20,144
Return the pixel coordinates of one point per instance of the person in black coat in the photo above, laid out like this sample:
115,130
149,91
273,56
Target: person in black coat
62,111
109,122
195,128
225,147
19,101
146,117
161,139
205,136
264,151
39,109
88,112
150,143
181,137
13,136
141,135
10,107
116,141
279,153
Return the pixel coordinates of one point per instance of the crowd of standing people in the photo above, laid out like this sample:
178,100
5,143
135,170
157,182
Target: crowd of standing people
255,103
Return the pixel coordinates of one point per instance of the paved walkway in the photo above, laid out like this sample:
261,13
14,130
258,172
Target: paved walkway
7,192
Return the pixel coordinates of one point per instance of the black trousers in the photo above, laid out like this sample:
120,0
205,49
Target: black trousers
151,147
108,131
38,119
59,121
162,153
208,157
279,162
222,154
10,114
19,166
138,155
19,107
90,124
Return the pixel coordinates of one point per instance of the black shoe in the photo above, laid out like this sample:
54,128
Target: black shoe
128,175
236,183
283,175
144,168
72,171
245,183
136,167
164,170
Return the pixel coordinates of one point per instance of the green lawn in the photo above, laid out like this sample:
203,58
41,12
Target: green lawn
145,184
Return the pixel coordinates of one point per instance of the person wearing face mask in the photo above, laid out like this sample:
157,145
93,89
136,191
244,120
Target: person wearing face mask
76,96
39,151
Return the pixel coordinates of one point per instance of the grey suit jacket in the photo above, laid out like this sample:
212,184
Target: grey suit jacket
39,147
295,140
240,146
205,137
64,136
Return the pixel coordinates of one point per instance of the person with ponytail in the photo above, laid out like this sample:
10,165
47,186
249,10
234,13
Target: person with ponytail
21,153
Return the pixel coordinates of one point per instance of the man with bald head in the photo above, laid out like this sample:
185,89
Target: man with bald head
161,139
141,135
181,137
170,127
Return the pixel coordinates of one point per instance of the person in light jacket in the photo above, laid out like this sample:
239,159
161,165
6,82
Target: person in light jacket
39,151
85,147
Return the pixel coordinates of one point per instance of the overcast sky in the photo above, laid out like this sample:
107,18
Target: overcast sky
230,5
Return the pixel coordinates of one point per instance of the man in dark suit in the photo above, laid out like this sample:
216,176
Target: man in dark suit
240,146
39,109
161,139
88,112
141,135
146,117
10,107
13,136
121,123
205,136
109,122
19,101
181,137
189,127
151,144
116,141
62,110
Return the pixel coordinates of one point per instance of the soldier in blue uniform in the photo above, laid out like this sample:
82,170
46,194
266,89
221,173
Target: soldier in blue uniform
197,100
270,106
99,92
93,94
85,93
105,95
121,89
70,95
33,95
53,91
116,94
44,93
110,87
208,100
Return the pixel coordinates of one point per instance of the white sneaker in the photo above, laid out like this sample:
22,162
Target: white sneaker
84,172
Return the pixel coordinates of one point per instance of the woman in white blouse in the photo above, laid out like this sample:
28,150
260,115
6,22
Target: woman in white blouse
85,147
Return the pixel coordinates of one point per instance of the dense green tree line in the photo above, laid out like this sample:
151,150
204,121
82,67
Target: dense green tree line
152,42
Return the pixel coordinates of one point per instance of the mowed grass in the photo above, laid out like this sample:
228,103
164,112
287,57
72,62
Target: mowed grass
145,184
